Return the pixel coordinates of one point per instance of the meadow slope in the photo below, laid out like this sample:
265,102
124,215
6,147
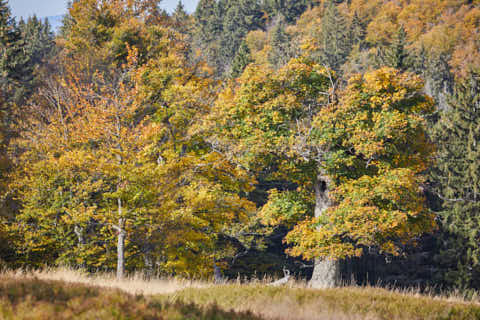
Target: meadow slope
37,296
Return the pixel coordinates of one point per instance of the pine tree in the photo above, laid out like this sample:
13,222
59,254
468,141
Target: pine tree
289,9
242,59
13,61
334,38
239,19
357,31
39,42
206,21
282,47
208,27
457,183
182,21
396,55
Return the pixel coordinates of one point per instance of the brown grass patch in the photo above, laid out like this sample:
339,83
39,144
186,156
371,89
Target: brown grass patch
64,293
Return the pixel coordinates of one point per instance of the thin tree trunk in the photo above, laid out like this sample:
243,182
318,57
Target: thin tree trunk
79,233
121,243
148,259
81,241
326,272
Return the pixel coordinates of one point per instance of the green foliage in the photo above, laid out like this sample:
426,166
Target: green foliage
14,68
289,9
335,44
241,61
282,46
457,182
395,55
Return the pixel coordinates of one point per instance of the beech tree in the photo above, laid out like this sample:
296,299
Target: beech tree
358,161
377,153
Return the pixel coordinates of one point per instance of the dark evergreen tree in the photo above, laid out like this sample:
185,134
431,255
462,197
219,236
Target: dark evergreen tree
282,47
335,44
207,26
289,9
240,18
357,31
13,61
67,22
396,55
207,31
242,59
39,40
457,184
180,16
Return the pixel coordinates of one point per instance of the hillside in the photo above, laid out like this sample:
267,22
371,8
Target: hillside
29,298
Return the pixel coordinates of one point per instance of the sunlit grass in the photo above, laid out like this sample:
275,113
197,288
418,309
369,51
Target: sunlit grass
70,294
133,284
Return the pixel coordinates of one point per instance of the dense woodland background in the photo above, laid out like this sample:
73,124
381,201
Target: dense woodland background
143,141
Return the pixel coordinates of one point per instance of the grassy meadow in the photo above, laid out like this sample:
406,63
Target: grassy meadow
65,294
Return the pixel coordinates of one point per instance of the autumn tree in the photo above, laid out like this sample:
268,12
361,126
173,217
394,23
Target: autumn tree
378,152
116,141
357,163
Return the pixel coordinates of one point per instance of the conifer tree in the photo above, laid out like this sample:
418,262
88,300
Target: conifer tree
239,19
357,31
242,60
289,9
208,28
282,46
396,55
457,183
334,38
13,61
39,43
205,16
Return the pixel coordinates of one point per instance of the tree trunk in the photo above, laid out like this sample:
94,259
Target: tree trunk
217,273
148,259
81,241
79,233
326,272
121,253
122,234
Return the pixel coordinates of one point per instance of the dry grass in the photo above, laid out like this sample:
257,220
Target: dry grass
135,284
282,303
33,299
62,293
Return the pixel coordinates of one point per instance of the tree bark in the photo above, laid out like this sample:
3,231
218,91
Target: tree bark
122,234
148,259
326,272
81,241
